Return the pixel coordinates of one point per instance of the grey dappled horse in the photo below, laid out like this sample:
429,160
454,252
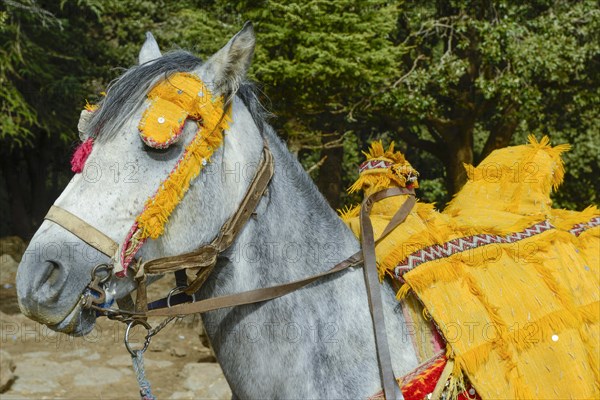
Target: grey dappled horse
314,343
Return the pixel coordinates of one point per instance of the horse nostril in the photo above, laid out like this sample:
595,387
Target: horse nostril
50,274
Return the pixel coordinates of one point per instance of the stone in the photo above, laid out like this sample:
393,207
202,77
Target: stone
38,355
96,375
8,269
178,351
40,375
206,356
7,368
182,396
157,347
93,357
12,246
205,380
79,353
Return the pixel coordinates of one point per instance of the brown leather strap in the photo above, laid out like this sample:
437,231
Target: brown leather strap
82,230
390,387
269,293
141,298
205,257
198,278
254,193
251,296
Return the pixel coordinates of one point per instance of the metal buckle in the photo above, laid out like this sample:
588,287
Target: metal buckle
176,290
96,294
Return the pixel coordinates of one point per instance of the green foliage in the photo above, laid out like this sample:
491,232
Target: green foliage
483,75
41,84
325,54
352,159
317,59
18,115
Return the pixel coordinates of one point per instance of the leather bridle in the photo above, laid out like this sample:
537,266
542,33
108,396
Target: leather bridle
192,269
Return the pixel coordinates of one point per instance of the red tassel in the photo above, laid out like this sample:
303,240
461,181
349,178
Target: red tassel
80,155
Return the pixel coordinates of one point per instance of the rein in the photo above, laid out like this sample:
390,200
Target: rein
193,268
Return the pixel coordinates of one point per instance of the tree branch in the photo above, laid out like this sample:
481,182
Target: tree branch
317,165
369,100
502,132
413,139
441,128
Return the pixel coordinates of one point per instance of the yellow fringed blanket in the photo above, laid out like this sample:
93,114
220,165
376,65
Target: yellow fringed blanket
512,285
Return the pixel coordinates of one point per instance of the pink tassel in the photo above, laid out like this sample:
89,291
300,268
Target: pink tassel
80,155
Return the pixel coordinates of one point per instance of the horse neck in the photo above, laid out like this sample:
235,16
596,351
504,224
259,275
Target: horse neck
295,230
310,343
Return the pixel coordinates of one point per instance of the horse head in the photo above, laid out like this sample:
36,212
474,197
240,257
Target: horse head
154,178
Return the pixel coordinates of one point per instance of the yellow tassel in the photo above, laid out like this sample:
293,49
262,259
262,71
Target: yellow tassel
403,292
536,294
426,314
456,383
566,219
349,212
90,107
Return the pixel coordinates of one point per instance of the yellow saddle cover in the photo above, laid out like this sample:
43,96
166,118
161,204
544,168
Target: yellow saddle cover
512,285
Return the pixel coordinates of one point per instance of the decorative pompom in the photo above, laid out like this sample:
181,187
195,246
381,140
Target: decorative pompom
80,155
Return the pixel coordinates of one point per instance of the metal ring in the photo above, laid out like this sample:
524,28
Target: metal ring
108,268
178,289
130,325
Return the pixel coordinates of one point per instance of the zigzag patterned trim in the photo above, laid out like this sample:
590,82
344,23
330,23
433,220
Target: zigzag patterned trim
578,229
459,245
374,164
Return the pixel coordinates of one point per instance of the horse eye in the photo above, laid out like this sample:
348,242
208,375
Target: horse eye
167,153
158,150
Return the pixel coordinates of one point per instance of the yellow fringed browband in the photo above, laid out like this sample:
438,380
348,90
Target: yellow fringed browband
180,97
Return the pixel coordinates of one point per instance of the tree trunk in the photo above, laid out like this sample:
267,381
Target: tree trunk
457,175
501,134
329,181
460,152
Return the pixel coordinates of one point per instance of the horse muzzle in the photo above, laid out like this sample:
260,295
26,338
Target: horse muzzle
53,273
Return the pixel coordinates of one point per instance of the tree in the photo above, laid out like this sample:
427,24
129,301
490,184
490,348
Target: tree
482,75
39,88
316,58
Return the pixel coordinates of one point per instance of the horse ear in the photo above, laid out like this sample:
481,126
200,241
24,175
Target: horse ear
149,50
230,64
83,125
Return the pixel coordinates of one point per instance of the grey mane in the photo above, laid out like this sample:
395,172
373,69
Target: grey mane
248,93
129,91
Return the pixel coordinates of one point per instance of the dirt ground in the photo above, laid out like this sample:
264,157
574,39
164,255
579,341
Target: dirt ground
50,365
